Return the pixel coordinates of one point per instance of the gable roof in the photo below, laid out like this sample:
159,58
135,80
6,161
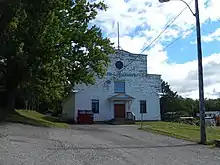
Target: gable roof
121,96
124,51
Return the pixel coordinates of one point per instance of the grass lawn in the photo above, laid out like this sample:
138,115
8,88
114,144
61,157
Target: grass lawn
181,131
35,118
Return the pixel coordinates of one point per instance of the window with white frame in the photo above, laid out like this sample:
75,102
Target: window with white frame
119,87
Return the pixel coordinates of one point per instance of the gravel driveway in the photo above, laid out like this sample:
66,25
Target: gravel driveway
97,145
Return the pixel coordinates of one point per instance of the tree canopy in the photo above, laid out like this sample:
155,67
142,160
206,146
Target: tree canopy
173,103
48,46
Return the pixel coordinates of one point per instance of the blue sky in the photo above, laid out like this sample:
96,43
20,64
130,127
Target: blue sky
142,20
183,50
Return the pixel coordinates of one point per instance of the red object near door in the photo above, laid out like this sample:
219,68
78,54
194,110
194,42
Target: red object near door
119,110
85,117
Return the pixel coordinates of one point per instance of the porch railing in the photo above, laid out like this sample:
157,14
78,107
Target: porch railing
130,116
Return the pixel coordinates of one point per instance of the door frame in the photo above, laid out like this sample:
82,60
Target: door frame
120,103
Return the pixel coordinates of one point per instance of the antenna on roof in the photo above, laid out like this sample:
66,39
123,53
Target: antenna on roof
118,37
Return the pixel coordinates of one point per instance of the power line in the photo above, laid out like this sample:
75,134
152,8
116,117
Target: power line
147,47
172,42
166,27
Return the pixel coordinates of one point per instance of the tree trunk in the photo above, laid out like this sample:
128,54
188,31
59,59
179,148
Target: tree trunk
26,104
3,114
11,100
10,105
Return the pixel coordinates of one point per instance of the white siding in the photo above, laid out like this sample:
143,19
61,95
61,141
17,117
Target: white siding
138,84
83,101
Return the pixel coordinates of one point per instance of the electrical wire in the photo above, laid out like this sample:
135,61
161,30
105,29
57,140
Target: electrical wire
166,27
172,42
153,41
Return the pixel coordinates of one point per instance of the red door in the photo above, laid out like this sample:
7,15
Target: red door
119,110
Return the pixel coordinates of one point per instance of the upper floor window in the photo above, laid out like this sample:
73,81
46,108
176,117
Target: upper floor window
119,64
119,87
95,106
143,106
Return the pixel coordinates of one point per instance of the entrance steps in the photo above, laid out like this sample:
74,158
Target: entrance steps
121,121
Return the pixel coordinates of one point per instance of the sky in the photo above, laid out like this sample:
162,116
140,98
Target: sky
142,20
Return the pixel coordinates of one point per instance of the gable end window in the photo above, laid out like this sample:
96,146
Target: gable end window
119,87
95,106
143,106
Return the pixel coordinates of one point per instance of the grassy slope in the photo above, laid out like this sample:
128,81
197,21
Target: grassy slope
182,131
35,118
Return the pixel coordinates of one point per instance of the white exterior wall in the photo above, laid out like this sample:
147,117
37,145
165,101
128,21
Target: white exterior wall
83,101
138,84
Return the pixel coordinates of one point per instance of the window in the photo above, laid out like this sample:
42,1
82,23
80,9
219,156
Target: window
95,106
143,106
119,87
119,65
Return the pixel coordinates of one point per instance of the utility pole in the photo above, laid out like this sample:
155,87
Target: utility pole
200,70
200,76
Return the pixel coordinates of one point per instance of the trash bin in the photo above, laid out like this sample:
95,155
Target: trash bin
85,117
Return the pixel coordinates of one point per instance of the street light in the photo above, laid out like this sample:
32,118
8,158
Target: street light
200,70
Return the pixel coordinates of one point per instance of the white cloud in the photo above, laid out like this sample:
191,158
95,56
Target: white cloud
184,77
150,17
131,44
215,36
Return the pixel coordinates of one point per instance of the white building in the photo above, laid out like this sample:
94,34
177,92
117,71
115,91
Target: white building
127,87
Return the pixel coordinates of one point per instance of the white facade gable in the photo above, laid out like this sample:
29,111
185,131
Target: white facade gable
126,76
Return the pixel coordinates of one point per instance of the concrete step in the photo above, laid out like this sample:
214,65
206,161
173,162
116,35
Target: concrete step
122,121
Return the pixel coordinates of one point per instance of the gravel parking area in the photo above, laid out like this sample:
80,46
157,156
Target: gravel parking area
97,145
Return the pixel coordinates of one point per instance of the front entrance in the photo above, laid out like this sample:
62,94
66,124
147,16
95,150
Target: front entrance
119,110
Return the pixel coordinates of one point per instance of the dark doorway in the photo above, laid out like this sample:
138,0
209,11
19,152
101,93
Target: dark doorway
119,110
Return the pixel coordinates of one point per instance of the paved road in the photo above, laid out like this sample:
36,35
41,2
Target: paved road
97,145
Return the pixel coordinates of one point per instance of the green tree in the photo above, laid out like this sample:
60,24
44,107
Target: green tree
188,106
173,103
168,101
49,48
212,104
